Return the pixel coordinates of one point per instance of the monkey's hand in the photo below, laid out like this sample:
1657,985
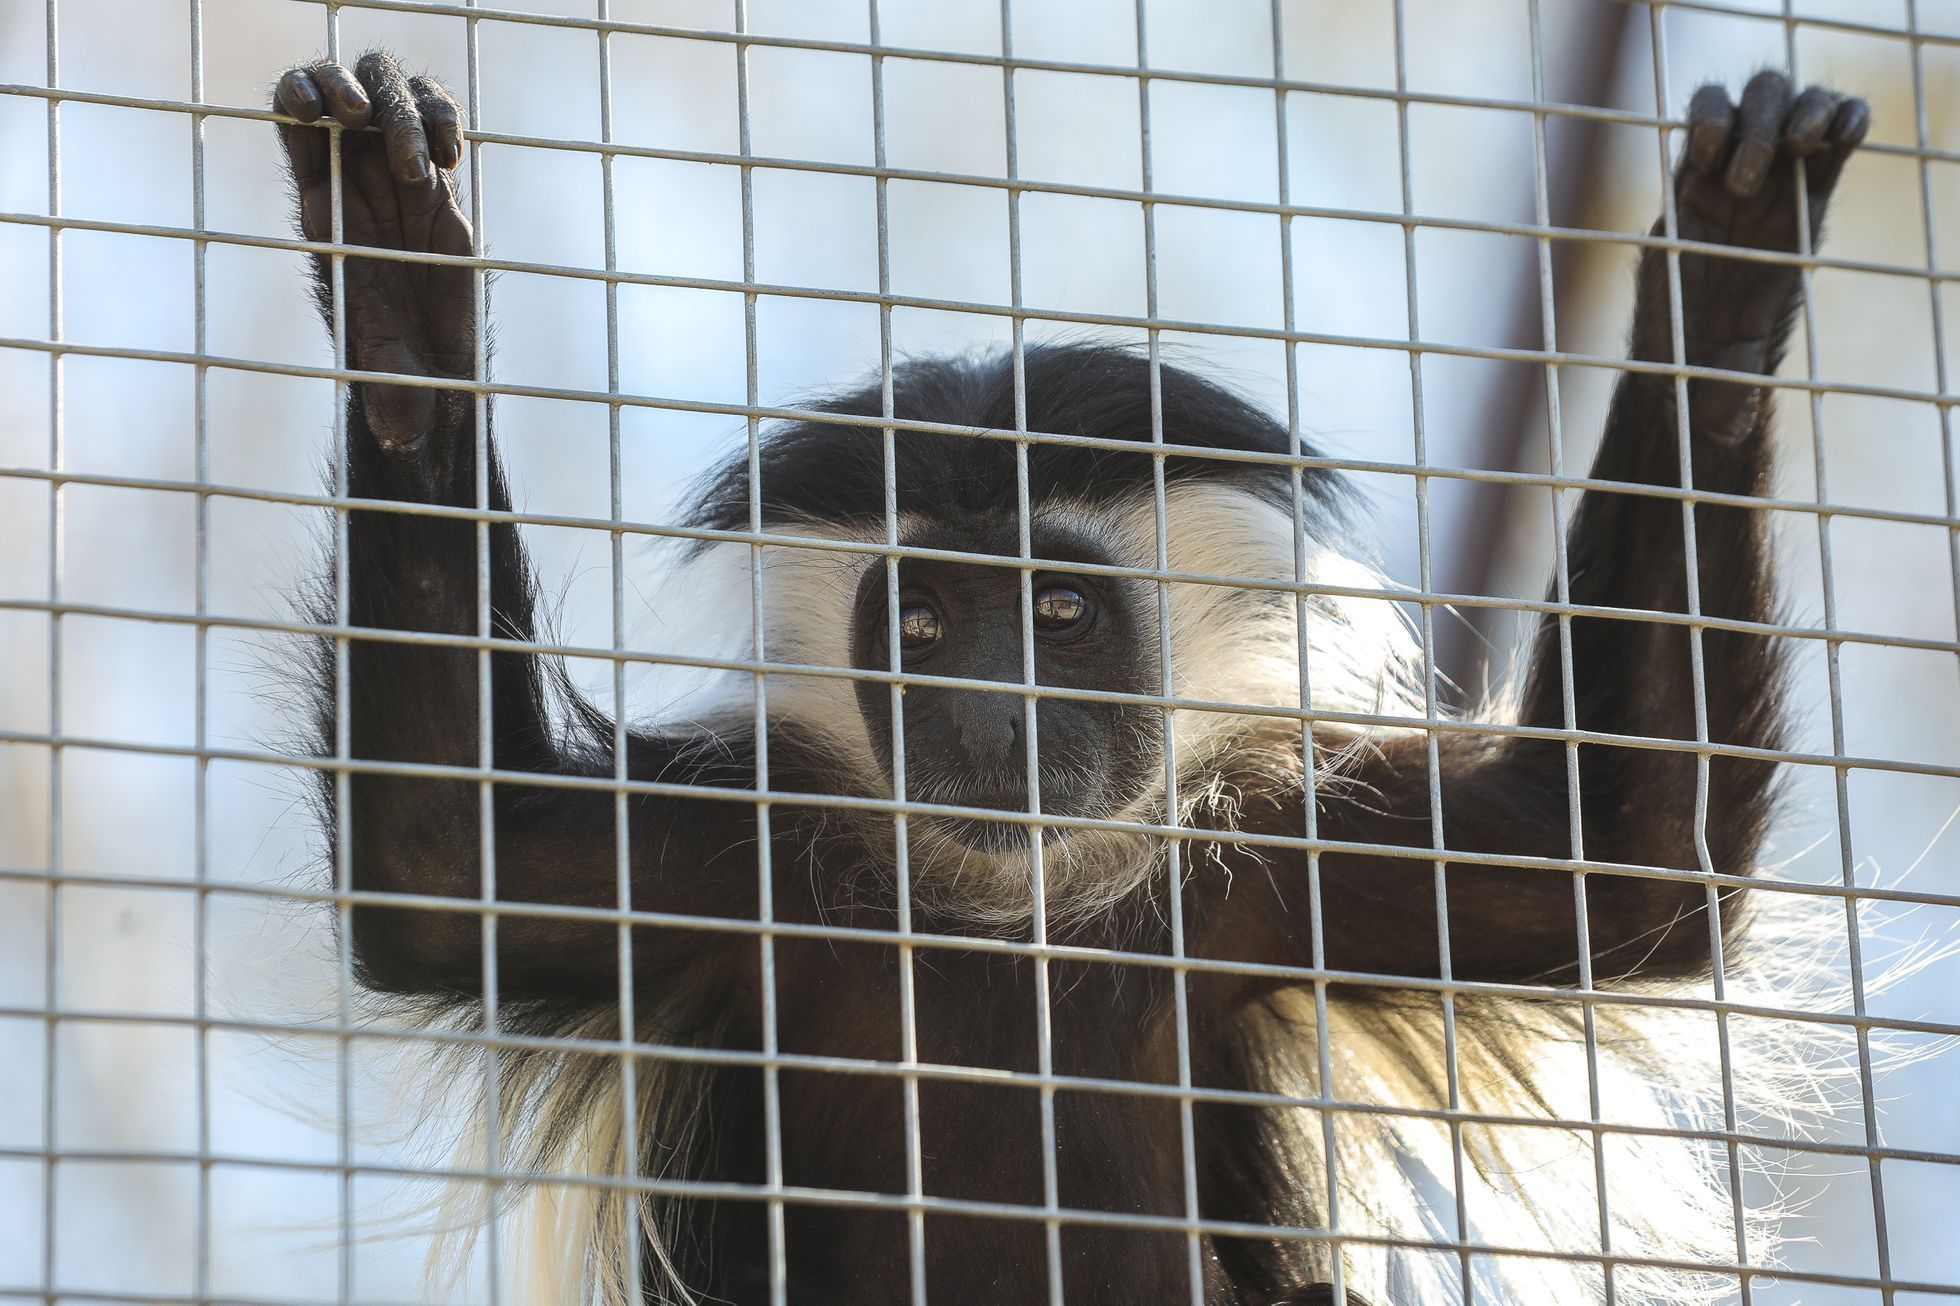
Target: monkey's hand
418,319
1736,184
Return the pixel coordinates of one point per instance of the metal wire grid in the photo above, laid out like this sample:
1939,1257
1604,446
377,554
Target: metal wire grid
342,897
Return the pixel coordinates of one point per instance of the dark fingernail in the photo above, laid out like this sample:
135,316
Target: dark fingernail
1751,162
417,167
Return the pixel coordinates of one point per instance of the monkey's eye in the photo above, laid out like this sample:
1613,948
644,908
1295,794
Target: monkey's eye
1059,608
918,627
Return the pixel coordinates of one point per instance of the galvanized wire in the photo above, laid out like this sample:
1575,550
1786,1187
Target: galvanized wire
913,945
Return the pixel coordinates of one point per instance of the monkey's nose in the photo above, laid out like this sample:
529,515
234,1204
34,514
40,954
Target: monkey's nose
990,733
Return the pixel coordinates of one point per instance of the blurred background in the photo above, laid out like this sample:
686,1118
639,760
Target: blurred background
127,1084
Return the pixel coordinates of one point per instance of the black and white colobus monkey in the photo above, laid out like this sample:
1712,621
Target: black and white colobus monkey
693,839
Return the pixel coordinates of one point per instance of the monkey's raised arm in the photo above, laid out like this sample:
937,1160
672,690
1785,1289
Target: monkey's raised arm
411,702
1736,184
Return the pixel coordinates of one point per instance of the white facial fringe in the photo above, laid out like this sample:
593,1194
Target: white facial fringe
1527,1187
1228,645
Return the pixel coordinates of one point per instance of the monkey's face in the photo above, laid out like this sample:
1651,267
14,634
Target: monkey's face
972,747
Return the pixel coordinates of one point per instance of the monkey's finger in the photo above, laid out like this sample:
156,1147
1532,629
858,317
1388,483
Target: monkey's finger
1810,118
1849,122
349,104
1765,106
1711,117
1849,125
400,120
297,96
442,120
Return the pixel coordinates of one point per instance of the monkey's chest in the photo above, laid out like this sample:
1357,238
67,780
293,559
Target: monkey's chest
977,1024
986,1132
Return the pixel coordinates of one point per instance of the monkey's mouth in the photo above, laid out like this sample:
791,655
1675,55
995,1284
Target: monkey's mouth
1007,836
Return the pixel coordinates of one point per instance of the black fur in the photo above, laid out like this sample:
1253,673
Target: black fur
835,473
694,851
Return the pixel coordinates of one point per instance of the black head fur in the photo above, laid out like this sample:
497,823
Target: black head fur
832,472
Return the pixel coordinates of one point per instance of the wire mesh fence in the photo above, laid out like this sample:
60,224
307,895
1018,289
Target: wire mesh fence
817,176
